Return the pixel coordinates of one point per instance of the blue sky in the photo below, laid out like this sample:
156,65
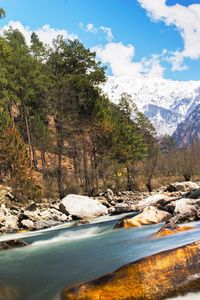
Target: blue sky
152,37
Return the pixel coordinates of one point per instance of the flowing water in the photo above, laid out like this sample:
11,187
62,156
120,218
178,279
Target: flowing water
66,255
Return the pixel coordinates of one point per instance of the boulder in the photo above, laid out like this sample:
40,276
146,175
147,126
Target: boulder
46,224
2,216
109,194
150,215
186,206
27,224
11,222
121,208
195,194
31,215
83,207
5,245
160,276
45,215
8,293
153,200
32,207
170,227
184,186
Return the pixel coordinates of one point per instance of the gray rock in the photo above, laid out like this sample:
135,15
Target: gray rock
46,224
5,245
195,194
31,215
32,207
121,208
153,200
184,186
11,222
186,206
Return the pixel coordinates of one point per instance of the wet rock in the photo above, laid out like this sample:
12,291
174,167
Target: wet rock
160,276
8,293
27,224
170,227
83,207
184,186
150,215
83,222
5,245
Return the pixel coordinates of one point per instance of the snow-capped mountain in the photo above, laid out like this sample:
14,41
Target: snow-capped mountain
167,103
188,131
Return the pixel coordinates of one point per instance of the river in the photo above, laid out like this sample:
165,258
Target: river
66,255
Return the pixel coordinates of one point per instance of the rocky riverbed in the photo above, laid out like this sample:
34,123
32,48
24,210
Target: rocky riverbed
179,201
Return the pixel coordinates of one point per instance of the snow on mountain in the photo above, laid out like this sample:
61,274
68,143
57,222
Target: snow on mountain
188,131
166,102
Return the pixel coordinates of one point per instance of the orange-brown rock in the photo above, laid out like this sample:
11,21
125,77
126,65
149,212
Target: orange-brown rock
156,277
168,231
150,215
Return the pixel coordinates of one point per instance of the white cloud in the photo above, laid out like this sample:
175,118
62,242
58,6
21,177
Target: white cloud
120,59
108,33
187,21
46,33
92,29
177,61
152,66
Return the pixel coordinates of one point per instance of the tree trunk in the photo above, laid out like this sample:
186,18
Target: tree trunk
150,167
129,178
43,162
34,157
117,178
60,146
86,166
75,163
96,171
28,136
187,177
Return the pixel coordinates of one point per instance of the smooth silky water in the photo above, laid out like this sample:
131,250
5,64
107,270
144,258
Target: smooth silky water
65,255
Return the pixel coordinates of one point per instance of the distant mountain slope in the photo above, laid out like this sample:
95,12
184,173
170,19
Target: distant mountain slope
189,130
166,102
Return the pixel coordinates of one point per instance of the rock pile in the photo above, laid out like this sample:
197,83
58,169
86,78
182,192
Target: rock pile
180,200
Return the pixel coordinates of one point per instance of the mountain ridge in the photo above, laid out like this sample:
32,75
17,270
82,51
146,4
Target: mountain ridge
167,103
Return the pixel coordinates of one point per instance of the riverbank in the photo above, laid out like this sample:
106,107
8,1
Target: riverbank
181,200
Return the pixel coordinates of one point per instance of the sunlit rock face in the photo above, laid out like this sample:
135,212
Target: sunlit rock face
167,231
160,276
150,215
